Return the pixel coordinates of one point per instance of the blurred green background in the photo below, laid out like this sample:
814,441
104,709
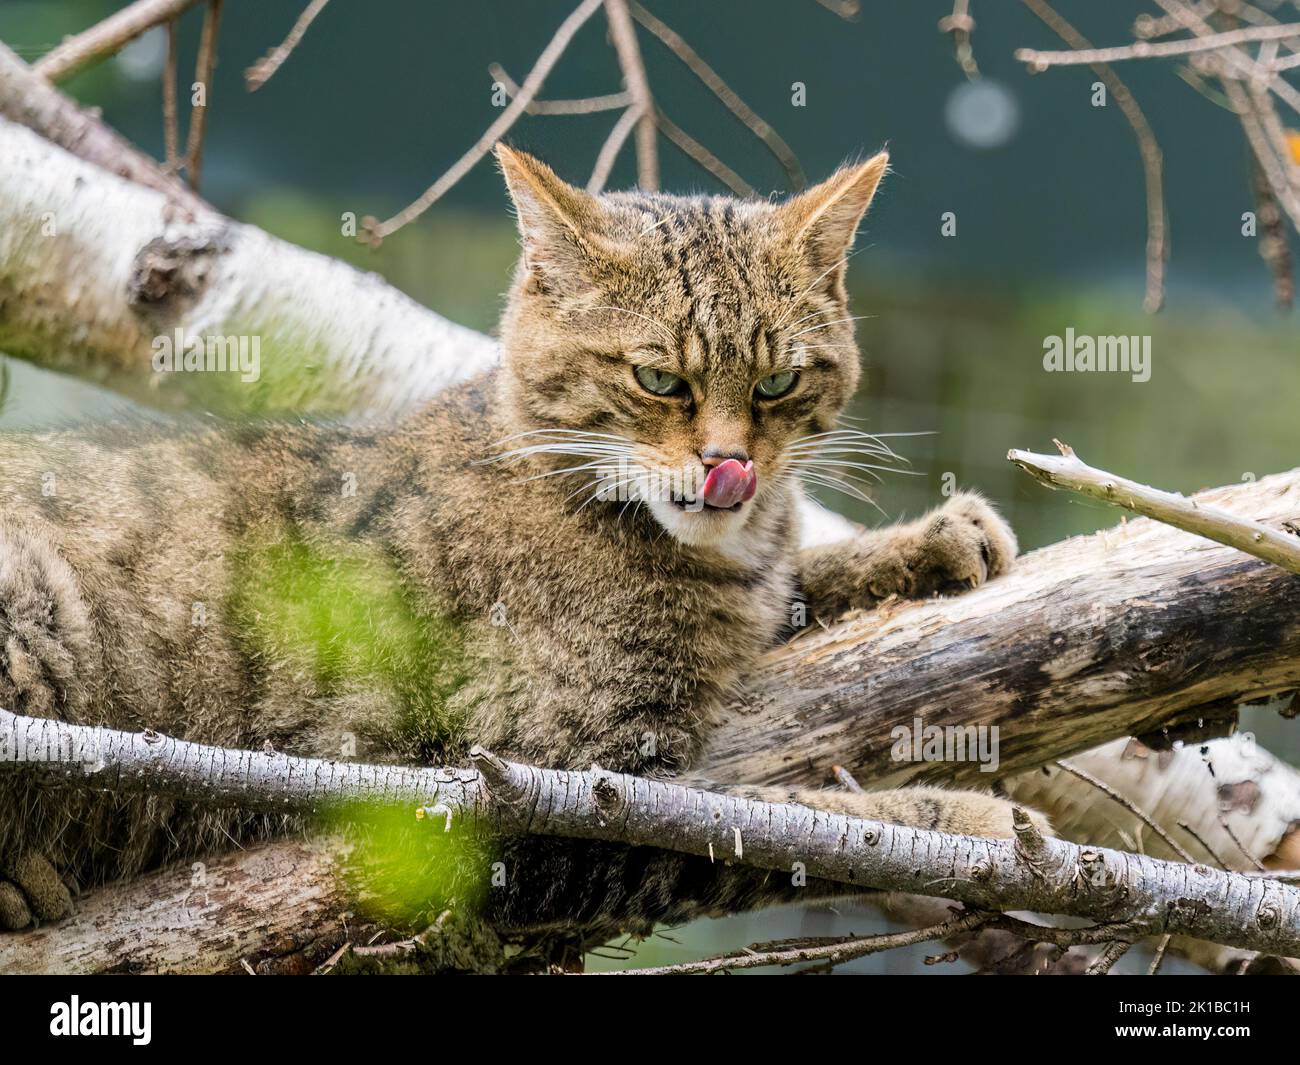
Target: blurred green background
380,98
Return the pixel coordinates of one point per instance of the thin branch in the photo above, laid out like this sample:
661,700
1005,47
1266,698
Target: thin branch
1132,808
1146,50
171,130
1148,147
1161,947
961,25
587,105
623,35
1276,170
1253,537
609,150
835,952
377,231
759,126
264,69
703,156
1149,26
203,70
1273,247
1246,68
1029,872
108,37
1218,859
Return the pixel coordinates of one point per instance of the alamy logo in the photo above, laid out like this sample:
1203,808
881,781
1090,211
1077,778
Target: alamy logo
1109,354
181,352
134,1019
920,742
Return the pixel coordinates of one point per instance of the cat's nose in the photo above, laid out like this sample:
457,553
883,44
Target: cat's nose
716,456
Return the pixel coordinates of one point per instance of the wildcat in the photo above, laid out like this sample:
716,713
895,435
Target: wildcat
574,559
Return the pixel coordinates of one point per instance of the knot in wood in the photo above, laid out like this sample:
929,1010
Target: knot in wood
605,793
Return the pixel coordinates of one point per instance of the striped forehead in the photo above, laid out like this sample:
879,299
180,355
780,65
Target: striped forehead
709,260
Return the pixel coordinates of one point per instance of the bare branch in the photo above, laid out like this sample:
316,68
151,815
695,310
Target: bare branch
1031,872
1146,50
518,106
961,25
1253,537
33,102
623,35
846,9
108,37
1140,814
587,105
171,130
757,125
835,951
1106,960
609,150
264,69
703,156
203,70
1152,158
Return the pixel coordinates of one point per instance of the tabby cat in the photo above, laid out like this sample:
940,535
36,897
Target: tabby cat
574,559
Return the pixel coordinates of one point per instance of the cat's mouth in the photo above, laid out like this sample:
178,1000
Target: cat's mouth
683,504
728,486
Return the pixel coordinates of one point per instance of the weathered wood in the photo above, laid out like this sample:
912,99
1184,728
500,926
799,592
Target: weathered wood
281,908
1090,639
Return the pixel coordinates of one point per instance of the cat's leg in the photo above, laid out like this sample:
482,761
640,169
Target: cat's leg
46,659
963,813
953,548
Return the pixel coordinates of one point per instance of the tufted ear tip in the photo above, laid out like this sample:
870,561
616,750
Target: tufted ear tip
825,218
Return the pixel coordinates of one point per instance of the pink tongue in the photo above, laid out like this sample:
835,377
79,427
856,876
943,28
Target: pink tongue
729,484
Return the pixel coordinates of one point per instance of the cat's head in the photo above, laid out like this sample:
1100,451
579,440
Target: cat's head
678,350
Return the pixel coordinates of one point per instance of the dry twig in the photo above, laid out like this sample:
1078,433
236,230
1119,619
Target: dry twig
264,69
108,37
1253,537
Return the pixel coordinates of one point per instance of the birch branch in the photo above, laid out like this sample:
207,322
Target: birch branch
1253,537
1030,872
93,269
108,37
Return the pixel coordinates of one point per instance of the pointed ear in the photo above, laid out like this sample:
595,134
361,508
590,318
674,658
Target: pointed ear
823,220
562,227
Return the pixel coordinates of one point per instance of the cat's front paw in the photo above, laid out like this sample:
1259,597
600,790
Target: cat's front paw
955,548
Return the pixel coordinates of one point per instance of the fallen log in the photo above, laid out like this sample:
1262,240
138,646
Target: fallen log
1126,632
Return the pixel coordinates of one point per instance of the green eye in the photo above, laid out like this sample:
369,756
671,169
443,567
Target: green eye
660,382
778,385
